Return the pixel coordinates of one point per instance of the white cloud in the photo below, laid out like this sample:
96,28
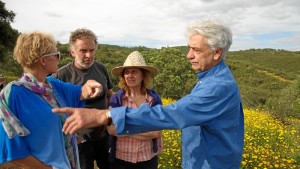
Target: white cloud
159,23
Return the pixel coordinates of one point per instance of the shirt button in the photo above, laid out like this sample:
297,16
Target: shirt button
127,131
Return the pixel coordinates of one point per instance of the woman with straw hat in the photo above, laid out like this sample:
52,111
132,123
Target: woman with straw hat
139,150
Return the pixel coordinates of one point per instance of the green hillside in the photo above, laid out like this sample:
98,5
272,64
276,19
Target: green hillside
263,75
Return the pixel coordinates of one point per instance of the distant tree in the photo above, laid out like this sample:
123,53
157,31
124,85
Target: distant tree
64,50
8,35
175,78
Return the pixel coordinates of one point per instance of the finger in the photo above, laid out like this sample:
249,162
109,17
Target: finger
71,128
67,110
89,89
95,84
94,88
68,125
96,92
74,129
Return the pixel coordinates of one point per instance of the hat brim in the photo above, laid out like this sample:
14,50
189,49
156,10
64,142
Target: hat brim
118,70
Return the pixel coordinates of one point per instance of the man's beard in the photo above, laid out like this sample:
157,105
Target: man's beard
81,63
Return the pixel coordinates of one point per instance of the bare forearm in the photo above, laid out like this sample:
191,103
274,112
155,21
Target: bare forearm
30,162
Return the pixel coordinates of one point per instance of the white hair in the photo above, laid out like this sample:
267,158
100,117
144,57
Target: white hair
218,34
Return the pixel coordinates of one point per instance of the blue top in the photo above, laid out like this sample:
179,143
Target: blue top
45,141
211,118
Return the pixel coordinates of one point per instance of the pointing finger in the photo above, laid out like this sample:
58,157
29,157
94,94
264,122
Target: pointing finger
66,110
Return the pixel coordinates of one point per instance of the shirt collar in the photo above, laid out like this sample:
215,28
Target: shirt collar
212,70
147,98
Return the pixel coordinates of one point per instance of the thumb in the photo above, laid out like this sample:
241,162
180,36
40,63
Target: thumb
96,92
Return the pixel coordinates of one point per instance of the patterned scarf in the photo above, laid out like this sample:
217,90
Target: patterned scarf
13,126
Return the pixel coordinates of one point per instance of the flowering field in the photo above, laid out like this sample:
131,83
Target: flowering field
268,143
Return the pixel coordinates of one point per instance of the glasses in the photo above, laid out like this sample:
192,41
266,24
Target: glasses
56,54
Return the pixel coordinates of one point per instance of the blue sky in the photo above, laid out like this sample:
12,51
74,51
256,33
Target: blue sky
161,23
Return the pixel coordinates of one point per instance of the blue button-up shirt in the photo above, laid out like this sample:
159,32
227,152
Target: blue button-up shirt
211,118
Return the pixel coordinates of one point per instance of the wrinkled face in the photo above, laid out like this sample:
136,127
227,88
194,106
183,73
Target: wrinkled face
84,53
200,55
133,77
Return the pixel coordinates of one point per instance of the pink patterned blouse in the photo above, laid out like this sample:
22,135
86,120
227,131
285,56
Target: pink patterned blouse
134,150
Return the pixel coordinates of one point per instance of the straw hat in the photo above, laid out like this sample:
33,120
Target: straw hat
135,60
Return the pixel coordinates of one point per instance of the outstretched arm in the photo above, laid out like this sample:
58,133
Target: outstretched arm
82,118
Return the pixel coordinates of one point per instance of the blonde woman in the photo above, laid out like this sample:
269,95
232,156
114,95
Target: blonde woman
31,135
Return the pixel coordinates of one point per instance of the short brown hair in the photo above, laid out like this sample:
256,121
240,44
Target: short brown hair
80,33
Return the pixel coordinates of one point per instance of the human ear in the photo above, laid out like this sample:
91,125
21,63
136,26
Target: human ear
42,62
218,54
72,53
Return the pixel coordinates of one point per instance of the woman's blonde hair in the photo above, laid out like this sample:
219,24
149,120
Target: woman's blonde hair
30,47
145,82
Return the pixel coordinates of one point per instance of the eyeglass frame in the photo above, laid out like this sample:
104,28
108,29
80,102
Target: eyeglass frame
56,54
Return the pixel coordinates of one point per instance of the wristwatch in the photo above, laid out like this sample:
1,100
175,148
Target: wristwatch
109,119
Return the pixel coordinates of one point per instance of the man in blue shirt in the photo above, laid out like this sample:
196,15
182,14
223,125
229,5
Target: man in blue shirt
211,116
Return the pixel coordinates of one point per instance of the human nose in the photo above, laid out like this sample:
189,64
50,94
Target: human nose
190,54
89,54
